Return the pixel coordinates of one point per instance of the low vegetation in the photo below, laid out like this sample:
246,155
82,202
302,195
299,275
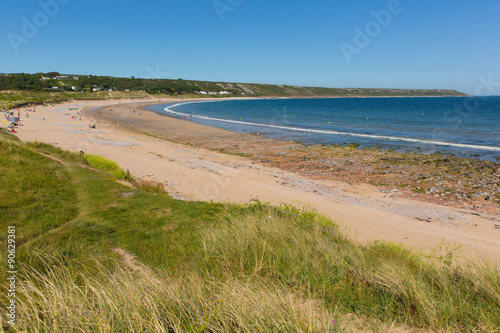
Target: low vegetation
94,255
106,165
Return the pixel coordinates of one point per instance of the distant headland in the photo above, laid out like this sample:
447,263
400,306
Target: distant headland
20,89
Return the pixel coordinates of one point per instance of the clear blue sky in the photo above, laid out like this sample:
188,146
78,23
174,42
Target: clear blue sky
426,44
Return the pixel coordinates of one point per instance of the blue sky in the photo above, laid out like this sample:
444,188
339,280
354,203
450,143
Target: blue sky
423,44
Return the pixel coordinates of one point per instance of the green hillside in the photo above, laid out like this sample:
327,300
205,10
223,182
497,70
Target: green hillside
94,255
24,89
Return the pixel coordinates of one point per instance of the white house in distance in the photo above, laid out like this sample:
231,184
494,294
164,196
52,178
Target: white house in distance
213,92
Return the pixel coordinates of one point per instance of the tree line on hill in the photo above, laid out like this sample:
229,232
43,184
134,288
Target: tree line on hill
54,80
87,83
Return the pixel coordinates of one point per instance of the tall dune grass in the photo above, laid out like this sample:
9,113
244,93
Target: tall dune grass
305,249
91,259
260,269
79,299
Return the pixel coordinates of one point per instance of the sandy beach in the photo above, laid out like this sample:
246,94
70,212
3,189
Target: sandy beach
155,148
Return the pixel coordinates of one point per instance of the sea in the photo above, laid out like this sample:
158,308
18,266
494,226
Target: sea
464,126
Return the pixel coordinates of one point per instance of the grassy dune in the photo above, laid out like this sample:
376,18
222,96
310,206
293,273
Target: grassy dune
94,255
13,98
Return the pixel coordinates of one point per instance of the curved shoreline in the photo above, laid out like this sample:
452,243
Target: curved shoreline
304,130
193,173
356,175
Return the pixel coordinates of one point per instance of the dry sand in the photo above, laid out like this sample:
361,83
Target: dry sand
194,173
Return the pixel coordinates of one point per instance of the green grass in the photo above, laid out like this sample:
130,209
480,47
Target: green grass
106,165
13,98
95,255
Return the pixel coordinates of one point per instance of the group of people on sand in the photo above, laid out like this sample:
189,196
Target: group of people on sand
11,121
73,117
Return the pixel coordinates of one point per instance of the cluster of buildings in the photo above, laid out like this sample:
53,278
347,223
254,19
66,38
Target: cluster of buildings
94,88
213,92
59,77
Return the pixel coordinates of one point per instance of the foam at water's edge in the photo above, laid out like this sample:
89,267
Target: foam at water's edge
306,130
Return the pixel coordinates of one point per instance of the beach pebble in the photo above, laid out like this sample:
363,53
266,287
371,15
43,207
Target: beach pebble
433,190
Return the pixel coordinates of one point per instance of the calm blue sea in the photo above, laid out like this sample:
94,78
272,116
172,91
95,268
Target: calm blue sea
459,125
